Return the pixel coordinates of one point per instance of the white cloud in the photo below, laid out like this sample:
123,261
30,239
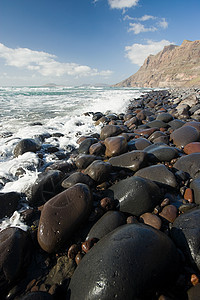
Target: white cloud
138,28
146,18
163,23
120,4
45,63
137,53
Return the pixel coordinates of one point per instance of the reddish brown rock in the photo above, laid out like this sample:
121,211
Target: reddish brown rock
61,215
192,148
152,220
115,146
169,213
188,195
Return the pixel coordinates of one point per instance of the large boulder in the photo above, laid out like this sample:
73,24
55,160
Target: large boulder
133,160
184,135
61,215
189,164
26,145
129,262
99,170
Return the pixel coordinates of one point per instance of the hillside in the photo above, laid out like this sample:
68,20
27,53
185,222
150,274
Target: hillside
174,66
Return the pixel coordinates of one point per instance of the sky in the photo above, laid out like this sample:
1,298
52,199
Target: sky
74,42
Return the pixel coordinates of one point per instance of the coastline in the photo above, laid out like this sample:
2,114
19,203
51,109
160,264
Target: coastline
151,154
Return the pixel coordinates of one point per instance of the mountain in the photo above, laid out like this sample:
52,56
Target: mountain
174,66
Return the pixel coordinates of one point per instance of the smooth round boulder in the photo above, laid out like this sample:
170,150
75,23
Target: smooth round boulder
125,265
184,135
26,145
115,146
161,152
192,148
107,223
133,160
189,164
165,117
99,170
195,186
63,214
83,161
158,173
176,123
110,130
136,195
186,235
157,124
75,178
85,145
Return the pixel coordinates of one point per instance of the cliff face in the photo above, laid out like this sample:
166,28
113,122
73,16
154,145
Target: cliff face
174,66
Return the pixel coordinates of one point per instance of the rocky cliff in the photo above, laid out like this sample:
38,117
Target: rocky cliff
174,66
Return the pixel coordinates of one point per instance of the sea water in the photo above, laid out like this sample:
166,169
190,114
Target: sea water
26,112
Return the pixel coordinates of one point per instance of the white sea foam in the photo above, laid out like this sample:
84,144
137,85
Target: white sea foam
58,109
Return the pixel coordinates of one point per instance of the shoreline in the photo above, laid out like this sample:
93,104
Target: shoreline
138,176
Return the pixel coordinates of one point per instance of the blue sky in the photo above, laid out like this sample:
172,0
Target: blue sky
74,42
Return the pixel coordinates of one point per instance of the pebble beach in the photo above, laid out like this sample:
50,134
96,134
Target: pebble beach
118,217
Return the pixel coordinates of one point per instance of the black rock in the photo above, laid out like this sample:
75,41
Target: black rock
161,152
85,145
8,203
26,145
83,161
38,296
189,164
77,177
133,160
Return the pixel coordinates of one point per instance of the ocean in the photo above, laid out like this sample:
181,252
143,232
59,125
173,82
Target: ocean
26,112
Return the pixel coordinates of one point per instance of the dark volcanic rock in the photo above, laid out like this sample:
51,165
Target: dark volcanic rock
26,145
161,152
15,249
110,130
83,161
107,223
184,135
99,170
77,177
8,203
136,195
85,145
125,265
115,146
165,117
186,235
133,160
158,173
189,164
61,215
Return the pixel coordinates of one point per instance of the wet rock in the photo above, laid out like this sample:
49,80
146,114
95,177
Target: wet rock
169,213
63,270
138,144
136,195
77,177
46,186
97,149
83,161
15,249
192,148
115,146
186,235
63,214
26,145
188,195
155,135
110,130
145,132
99,170
8,203
151,220
112,271
184,135
85,145
195,186
161,152
97,116
107,223
165,117
157,123
158,173
189,164
107,204
62,166
133,160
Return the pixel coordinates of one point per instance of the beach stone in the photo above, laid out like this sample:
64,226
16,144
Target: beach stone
157,123
8,203
185,233
103,120
130,122
189,164
192,148
140,143
63,270
169,213
85,145
141,115
194,124
97,149
133,160
110,130
77,177
107,223
136,195
15,249
62,166
99,170
183,110
97,116
162,139
194,292
38,296
188,195
184,135
158,173
195,186
155,135
176,123
46,186
145,132
165,117
161,152
115,146
26,145
151,220
110,270
83,161
63,214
